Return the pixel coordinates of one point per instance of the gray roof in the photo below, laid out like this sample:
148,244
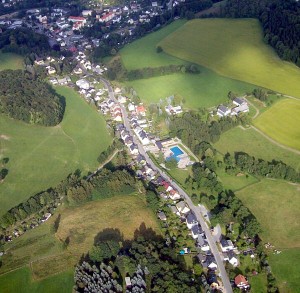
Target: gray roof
239,101
222,108
191,218
196,230
200,240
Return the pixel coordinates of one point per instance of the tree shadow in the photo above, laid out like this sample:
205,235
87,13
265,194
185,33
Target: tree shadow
109,234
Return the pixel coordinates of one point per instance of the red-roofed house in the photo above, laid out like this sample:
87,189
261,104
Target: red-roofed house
141,110
241,282
167,186
107,17
174,195
77,19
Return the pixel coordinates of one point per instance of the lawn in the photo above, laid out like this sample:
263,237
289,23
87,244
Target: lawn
281,122
10,61
43,249
276,205
21,281
40,157
253,143
233,48
286,269
201,90
234,183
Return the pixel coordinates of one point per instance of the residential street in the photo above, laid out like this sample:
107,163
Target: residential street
195,209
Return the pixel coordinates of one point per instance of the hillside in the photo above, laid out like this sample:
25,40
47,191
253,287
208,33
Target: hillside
233,48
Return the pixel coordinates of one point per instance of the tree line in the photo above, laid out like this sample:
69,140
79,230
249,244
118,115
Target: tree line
25,97
280,20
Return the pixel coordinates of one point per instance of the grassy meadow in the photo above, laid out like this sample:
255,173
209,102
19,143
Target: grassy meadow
281,122
253,143
10,61
21,281
40,157
42,250
201,90
233,48
276,205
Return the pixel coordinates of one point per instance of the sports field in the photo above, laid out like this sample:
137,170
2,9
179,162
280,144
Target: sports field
10,61
40,157
233,48
281,122
201,90
276,205
253,143
43,249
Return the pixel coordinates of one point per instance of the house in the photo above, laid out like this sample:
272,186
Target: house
173,110
223,111
211,262
131,107
191,220
134,149
46,217
77,19
51,70
173,209
39,61
128,141
86,13
162,216
128,282
231,258
174,195
226,245
141,110
244,108
83,84
122,99
124,134
107,17
196,231
241,282
182,207
140,159
202,243
238,101
212,279
167,186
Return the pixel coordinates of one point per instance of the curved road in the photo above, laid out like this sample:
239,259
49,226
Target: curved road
195,209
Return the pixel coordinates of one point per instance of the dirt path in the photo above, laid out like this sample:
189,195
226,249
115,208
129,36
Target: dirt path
256,109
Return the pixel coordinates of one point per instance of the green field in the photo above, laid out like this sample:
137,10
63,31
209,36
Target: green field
286,268
21,281
202,90
40,157
276,205
10,61
253,143
281,122
233,48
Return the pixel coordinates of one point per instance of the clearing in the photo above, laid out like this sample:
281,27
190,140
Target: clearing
10,61
40,157
281,122
201,90
253,143
277,211
233,48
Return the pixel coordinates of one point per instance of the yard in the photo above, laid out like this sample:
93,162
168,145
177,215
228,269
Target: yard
229,47
253,143
10,61
281,122
40,157
45,250
197,90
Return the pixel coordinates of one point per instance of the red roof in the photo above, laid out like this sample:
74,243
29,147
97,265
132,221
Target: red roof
77,18
73,49
140,109
107,15
173,191
240,280
166,185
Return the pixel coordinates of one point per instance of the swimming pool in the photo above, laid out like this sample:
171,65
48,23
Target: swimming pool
176,153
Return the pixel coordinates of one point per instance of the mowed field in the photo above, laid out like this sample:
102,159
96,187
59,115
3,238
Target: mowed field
40,157
10,61
42,249
281,122
201,90
233,48
254,144
276,206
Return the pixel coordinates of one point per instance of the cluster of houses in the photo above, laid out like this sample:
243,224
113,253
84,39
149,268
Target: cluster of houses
240,105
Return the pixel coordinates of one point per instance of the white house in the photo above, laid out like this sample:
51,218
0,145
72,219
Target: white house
174,195
231,258
83,84
226,245
223,111
130,107
202,243
182,207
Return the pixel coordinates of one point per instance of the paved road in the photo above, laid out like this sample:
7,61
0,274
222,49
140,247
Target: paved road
195,209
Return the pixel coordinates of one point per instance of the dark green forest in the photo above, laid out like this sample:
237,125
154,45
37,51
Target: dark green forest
23,41
280,20
26,98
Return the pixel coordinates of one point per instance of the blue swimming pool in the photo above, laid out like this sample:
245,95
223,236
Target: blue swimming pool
176,153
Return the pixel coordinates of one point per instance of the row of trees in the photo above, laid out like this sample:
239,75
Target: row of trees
260,167
26,98
280,21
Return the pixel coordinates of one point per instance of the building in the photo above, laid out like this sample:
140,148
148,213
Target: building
241,282
223,111
182,207
226,245
107,17
196,231
162,216
191,220
231,258
83,84
202,243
